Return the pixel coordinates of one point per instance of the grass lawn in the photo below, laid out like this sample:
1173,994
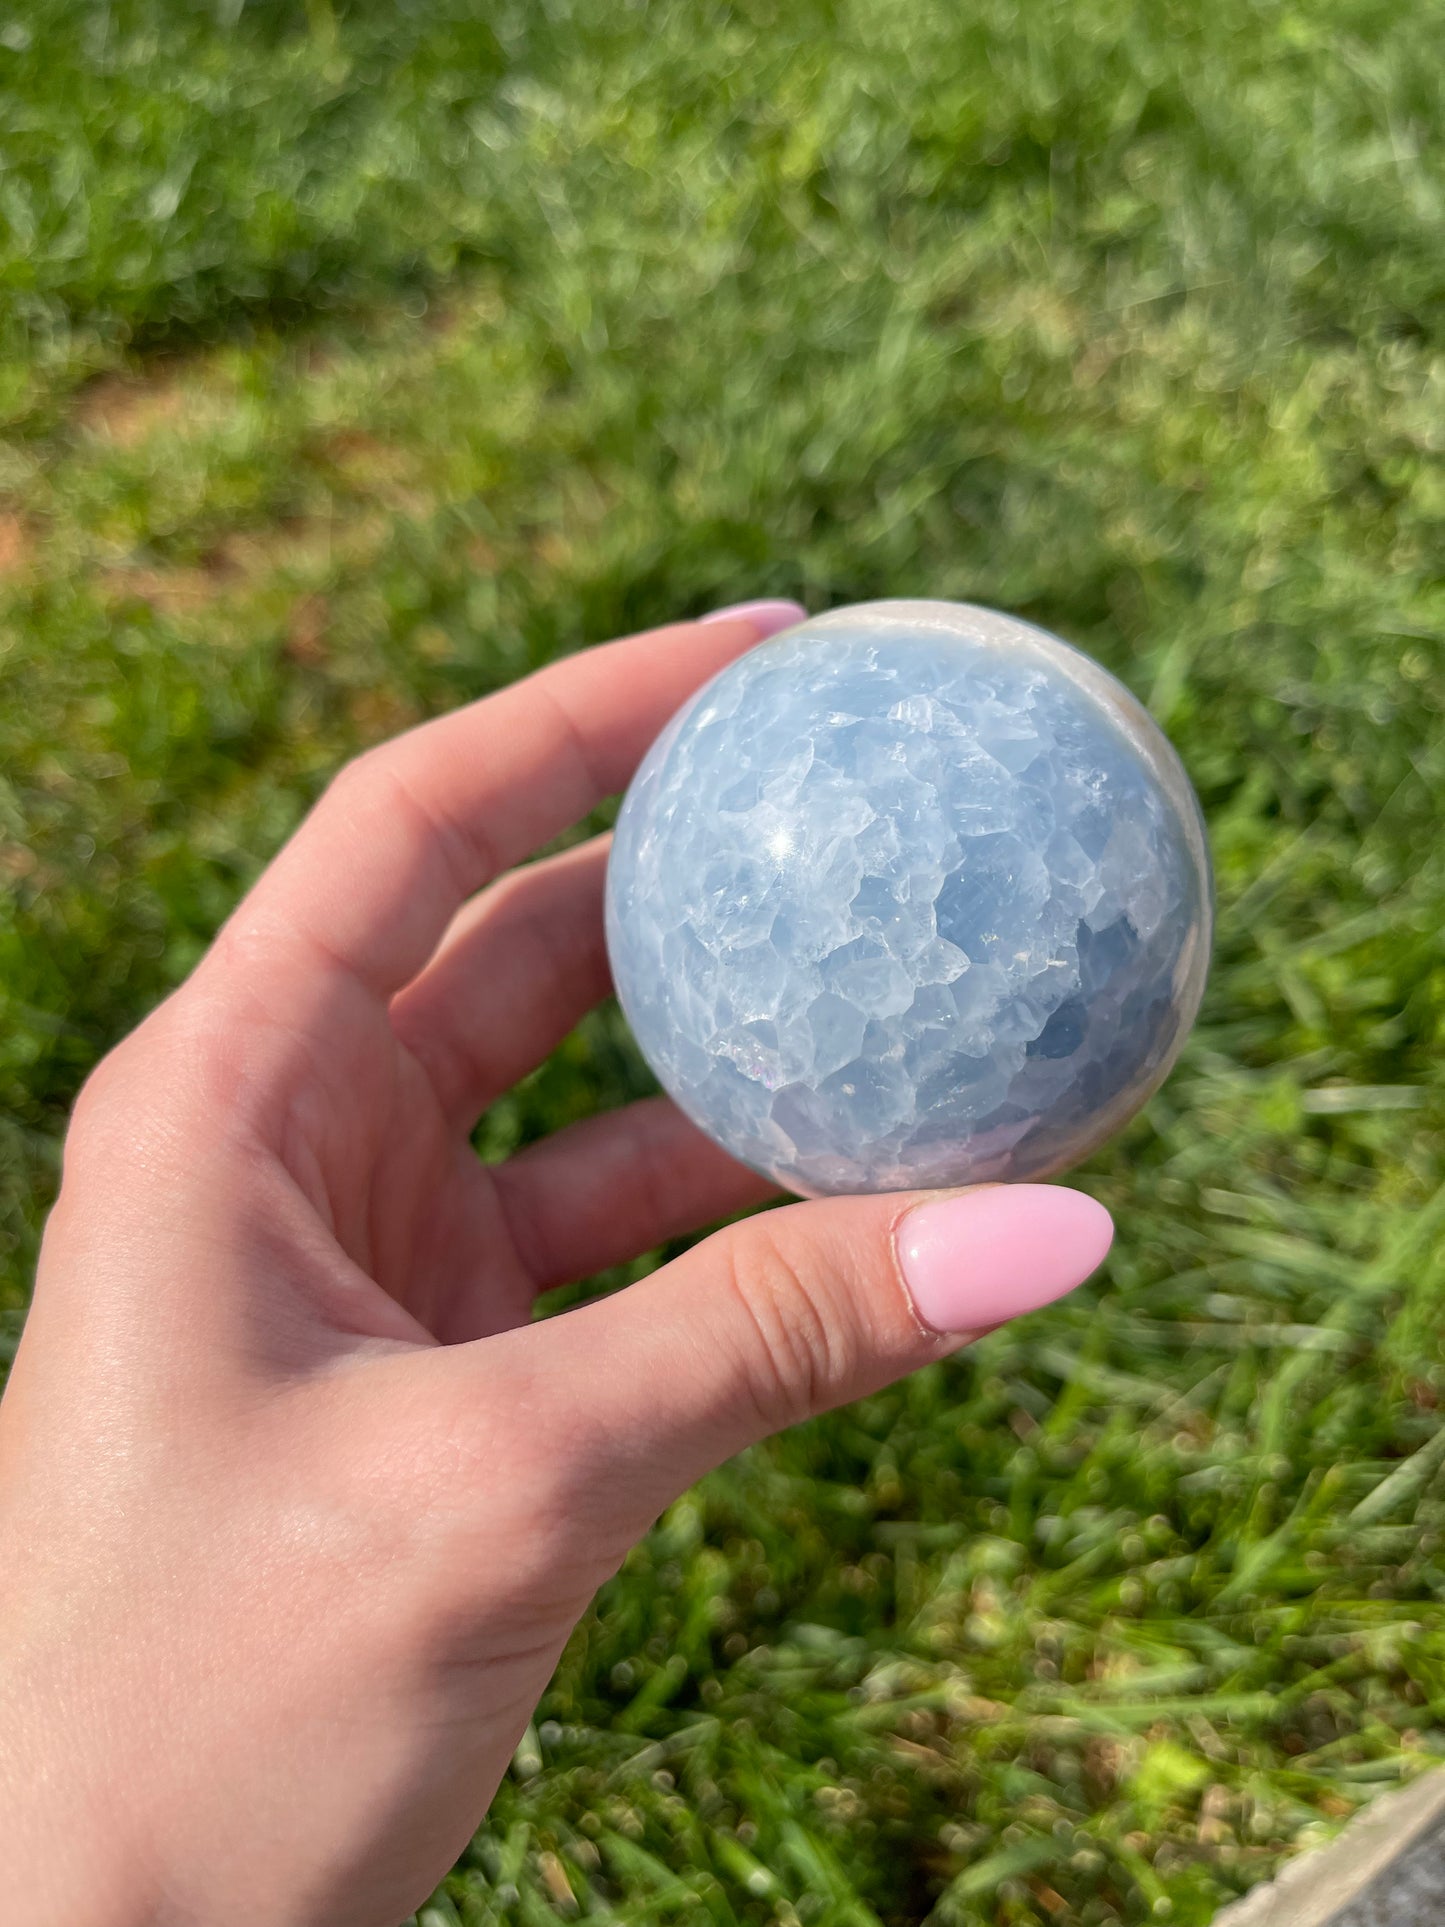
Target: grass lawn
354,359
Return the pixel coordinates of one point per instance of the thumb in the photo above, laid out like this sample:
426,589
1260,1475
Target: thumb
797,1310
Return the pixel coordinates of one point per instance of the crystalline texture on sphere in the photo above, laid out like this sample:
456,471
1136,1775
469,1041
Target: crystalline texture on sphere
914,894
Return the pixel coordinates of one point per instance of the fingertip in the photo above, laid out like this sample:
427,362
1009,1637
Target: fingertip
768,616
976,1259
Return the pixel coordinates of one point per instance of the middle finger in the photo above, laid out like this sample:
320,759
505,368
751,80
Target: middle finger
520,966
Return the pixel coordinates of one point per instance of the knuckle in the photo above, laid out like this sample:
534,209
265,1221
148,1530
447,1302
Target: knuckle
388,783
366,789
96,1097
86,1135
178,1067
107,1105
360,776
796,1346
359,792
504,1529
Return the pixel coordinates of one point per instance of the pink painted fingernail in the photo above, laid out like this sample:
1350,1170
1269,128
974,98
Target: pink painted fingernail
767,616
972,1261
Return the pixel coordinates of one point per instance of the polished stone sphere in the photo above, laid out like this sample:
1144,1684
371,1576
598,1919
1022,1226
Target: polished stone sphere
913,894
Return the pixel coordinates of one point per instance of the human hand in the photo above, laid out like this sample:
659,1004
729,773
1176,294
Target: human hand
297,1507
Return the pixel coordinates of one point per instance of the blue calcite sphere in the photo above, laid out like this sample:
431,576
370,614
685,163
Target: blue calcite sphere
913,894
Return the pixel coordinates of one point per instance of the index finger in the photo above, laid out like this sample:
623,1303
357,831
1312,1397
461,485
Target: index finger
409,830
